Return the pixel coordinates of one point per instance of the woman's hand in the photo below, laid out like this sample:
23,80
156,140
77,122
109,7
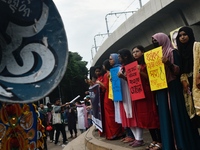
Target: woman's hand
166,61
185,86
121,75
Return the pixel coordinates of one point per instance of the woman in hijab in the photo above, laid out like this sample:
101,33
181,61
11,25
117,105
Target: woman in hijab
190,56
176,128
114,62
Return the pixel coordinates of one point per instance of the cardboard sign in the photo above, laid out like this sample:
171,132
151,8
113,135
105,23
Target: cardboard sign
155,69
134,81
116,84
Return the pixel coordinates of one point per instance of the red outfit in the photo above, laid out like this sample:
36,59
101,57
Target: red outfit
144,111
112,129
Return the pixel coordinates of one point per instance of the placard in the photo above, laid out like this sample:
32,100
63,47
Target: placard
134,81
155,69
116,84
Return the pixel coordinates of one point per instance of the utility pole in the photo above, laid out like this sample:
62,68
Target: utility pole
114,14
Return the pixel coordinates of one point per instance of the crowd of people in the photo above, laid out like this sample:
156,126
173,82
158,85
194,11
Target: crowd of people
58,116
171,114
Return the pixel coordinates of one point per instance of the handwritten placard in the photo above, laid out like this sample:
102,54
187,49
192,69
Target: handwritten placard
116,84
155,69
134,81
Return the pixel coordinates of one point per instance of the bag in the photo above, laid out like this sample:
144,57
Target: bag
56,118
49,128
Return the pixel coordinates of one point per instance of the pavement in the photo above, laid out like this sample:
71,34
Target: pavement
90,140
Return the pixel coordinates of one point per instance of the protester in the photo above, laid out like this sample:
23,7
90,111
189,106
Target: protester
81,116
189,51
114,62
176,127
72,119
146,109
99,78
113,130
43,117
89,110
59,127
49,121
128,108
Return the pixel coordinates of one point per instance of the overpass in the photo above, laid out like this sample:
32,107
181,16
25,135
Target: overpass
155,16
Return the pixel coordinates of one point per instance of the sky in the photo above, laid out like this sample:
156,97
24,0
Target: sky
85,24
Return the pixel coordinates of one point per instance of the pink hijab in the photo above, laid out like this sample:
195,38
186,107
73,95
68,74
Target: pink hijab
167,49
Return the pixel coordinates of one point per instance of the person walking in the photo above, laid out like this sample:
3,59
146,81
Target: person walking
59,127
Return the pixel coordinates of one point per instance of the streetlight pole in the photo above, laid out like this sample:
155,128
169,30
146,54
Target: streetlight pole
140,1
95,44
114,14
92,52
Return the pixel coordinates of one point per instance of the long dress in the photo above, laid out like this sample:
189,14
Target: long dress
81,117
112,128
174,120
144,111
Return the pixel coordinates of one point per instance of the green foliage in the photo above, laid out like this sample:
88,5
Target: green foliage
73,83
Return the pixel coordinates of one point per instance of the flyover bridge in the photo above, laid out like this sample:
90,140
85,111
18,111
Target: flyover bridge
155,16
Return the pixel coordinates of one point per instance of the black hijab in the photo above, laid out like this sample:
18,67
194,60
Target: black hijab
186,50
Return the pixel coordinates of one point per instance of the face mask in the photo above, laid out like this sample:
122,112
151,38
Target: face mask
156,45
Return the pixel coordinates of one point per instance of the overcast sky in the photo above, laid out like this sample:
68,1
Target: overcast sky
84,19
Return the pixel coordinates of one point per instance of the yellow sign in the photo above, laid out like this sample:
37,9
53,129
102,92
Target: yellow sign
155,69
110,91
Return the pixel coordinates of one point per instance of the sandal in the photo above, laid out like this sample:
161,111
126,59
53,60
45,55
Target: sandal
157,146
128,139
151,145
138,143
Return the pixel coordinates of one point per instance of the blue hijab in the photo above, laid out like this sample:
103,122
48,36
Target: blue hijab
115,57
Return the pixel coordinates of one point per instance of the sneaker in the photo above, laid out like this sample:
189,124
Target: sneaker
51,141
66,142
57,144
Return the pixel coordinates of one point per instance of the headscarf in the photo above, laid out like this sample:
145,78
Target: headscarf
186,50
167,49
115,57
166,44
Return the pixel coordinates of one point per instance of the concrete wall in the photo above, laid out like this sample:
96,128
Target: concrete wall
155,16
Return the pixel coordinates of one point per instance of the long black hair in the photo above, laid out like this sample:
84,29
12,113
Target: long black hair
126,56
107,65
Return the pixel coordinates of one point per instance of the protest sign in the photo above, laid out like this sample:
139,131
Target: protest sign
155,69
134,81
116,84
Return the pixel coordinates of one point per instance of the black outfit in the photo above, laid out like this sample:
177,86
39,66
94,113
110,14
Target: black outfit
71,116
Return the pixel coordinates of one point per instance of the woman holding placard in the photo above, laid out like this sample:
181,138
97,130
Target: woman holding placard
146,108
176,128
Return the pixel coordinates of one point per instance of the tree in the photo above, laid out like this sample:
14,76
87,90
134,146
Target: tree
73,83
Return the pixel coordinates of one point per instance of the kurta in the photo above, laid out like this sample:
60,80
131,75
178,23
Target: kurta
82,117
144,111
112,128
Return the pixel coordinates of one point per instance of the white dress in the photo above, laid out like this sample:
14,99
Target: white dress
81,117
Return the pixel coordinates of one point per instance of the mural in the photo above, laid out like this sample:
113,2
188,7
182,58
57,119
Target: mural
33,49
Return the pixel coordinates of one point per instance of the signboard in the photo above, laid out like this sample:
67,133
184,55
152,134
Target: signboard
116,84
33,52
134,81
96,106
155,69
